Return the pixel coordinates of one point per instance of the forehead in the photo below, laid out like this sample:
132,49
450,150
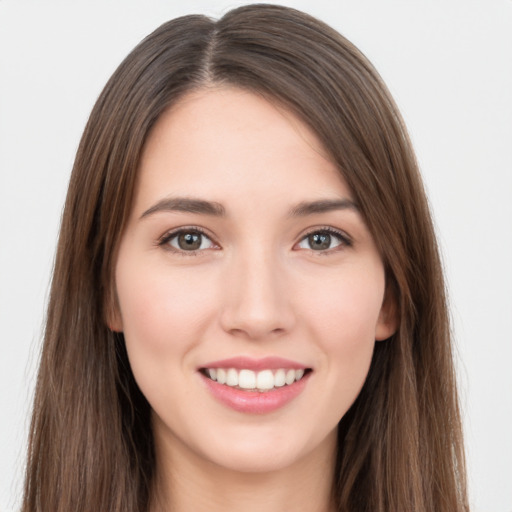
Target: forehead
227,143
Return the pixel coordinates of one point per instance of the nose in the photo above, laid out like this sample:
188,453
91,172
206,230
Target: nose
256,299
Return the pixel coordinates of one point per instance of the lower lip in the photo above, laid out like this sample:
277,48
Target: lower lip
255,402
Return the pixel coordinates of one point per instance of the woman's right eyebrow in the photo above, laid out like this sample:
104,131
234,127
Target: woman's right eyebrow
187,205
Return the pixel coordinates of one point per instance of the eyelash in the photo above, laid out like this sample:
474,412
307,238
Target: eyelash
165,239
343,238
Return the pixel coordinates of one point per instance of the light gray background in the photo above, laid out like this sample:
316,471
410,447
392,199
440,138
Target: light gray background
449,65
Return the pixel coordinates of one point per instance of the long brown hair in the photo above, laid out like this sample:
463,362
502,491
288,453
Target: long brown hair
400,444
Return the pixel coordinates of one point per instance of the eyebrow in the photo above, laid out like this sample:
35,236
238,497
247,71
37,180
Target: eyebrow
322,206
203,207
188,205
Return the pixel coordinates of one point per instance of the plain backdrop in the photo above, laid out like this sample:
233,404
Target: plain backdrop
448,64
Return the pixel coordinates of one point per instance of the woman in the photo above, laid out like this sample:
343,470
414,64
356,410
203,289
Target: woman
247,307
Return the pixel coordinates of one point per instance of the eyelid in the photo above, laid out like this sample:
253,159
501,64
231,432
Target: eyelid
163,241
345,239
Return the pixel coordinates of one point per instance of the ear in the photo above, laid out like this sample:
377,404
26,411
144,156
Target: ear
387,323
113,317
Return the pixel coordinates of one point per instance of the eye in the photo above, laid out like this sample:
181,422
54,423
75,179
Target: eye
324,240
189,240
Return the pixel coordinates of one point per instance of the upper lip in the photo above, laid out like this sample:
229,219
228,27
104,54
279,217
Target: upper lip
249,363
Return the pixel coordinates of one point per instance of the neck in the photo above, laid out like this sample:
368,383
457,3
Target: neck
186,482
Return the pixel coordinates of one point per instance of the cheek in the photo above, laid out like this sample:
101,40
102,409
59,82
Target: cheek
345,309
159,309
343,315
157,304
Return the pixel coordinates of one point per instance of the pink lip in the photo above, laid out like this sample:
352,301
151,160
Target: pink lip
265,363
255,402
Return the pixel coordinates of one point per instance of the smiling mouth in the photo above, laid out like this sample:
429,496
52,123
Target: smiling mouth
249,380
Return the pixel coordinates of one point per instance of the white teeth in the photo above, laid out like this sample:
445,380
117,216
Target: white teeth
279,378
232,377
247,379
290,377
263,380
221,376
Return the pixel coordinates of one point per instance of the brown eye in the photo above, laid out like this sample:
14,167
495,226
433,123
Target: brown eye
189,241
319,241
323,241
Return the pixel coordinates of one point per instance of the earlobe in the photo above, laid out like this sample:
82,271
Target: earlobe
387,322
114,322
113,317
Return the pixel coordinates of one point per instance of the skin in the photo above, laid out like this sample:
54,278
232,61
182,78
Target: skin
255,288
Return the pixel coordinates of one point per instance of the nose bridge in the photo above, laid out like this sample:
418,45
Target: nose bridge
256,298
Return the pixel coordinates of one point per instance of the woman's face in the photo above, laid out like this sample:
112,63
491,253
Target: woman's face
250,291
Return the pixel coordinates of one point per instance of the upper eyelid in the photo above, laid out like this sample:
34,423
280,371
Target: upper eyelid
345,241
315,229
171,233
328,229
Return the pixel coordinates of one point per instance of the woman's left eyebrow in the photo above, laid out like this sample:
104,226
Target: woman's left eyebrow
322,206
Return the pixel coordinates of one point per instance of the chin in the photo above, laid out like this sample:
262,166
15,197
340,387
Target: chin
256,461
268,452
